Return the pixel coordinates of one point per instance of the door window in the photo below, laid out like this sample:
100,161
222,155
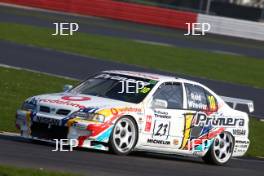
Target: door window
196,98
172,93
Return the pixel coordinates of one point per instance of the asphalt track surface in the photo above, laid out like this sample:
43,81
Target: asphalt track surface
20,152
23,153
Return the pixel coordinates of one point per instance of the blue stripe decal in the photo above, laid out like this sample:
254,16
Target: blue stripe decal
105,136
203,147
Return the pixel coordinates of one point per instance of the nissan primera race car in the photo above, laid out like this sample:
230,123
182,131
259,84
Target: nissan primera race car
124,111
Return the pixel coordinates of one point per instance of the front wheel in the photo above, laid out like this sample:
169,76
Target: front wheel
221,150
124,136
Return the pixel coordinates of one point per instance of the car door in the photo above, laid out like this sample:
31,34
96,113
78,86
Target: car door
166,116
200,104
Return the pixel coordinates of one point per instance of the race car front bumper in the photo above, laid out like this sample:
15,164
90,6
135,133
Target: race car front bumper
88,134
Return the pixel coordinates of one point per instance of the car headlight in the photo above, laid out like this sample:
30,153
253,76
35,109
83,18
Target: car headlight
89,116
99,118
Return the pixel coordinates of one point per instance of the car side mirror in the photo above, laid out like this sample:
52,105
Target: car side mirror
158,103
67,87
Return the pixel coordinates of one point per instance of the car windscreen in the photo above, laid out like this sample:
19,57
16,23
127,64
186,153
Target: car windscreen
116,86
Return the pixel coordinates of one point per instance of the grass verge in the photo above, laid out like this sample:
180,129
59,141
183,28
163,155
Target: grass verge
230,68
17,85
15,171
256,137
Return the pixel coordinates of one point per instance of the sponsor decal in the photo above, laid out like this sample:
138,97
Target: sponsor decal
240,145
175,142
212,104
201,141
148,123
75,98
239,132
221,121
130,109
67,103
46,120
113,77
162,114
239,150
198,145
187,129
152,76
194,105
114,111
120,78
195,102
196,97
118,111
242,142
156,141
145,90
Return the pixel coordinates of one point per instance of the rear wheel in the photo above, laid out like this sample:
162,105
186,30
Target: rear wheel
124,136
221,150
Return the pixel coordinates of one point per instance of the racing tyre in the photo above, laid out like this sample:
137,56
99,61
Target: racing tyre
124,136
221,150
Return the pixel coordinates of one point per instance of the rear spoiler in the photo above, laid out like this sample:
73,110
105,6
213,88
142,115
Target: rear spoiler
236,101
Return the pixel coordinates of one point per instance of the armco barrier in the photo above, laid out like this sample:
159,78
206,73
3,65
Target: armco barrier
233,27
116,10
150,15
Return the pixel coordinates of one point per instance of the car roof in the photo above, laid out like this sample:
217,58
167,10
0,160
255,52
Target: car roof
152,76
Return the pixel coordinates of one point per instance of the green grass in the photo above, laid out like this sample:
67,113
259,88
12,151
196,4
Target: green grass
230,68
256,137
14,171
17,85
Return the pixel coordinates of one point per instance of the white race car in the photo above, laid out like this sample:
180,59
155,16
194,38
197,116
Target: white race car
124,111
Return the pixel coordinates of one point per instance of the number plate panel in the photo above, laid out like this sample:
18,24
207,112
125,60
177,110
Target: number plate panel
161,130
